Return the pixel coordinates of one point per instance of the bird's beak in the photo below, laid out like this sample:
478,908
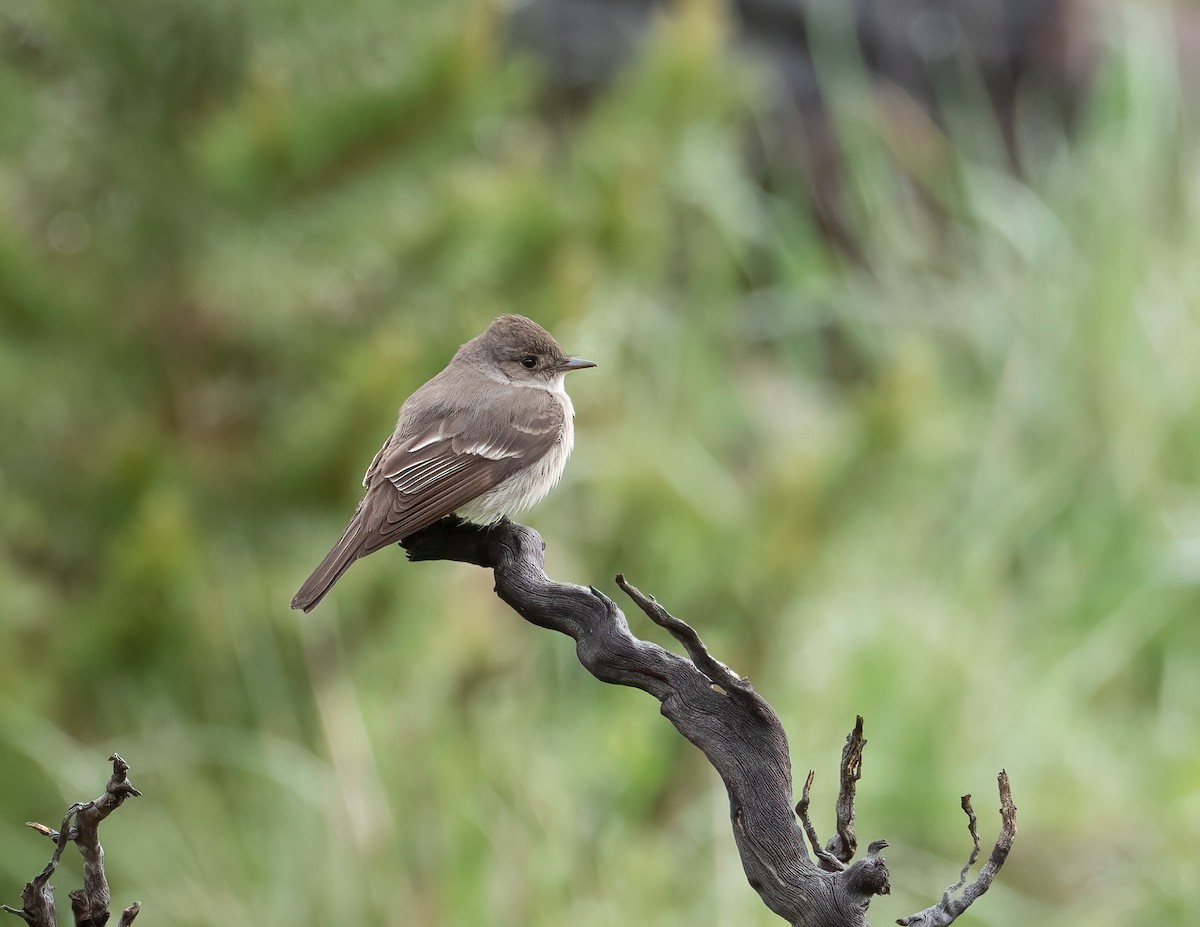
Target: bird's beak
575,363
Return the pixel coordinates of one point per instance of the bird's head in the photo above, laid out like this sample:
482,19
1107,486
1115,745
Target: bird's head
525,352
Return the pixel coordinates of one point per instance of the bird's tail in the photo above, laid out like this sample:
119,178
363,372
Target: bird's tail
336,562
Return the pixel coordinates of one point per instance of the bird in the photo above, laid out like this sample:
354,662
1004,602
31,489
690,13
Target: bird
484,439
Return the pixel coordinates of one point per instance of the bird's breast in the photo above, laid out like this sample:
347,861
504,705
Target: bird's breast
529,485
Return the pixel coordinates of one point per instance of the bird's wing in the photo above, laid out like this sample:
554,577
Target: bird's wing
442,468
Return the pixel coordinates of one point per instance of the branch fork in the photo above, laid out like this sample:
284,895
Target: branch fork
80,825
722,714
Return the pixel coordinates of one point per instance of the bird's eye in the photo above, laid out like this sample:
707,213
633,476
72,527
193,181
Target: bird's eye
529,362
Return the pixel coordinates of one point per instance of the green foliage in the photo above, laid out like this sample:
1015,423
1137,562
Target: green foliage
956,494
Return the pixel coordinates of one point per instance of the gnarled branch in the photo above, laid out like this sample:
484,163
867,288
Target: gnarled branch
714,708
89,905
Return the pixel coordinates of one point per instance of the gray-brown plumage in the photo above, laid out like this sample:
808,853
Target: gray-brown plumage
485,438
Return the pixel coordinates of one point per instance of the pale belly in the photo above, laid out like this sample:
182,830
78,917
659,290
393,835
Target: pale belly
527,486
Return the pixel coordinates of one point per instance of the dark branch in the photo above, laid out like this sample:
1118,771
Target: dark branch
710,705
842,845
825,859
89,905
948,909
37,898
720,674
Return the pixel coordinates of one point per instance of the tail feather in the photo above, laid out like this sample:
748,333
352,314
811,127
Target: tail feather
336,562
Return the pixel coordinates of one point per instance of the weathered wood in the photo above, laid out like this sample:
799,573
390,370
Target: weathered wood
81,826
710,705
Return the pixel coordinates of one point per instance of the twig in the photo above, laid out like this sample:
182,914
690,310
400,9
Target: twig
948,910
80,826
825,859
720,674
973,829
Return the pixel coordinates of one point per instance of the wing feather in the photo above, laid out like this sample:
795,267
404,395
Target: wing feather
420,478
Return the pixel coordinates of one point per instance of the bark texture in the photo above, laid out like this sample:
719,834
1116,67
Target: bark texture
81,826
719,712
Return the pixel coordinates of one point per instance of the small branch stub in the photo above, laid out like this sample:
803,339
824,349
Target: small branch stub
825,859
843,843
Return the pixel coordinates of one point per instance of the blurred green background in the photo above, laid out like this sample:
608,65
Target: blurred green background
952,488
